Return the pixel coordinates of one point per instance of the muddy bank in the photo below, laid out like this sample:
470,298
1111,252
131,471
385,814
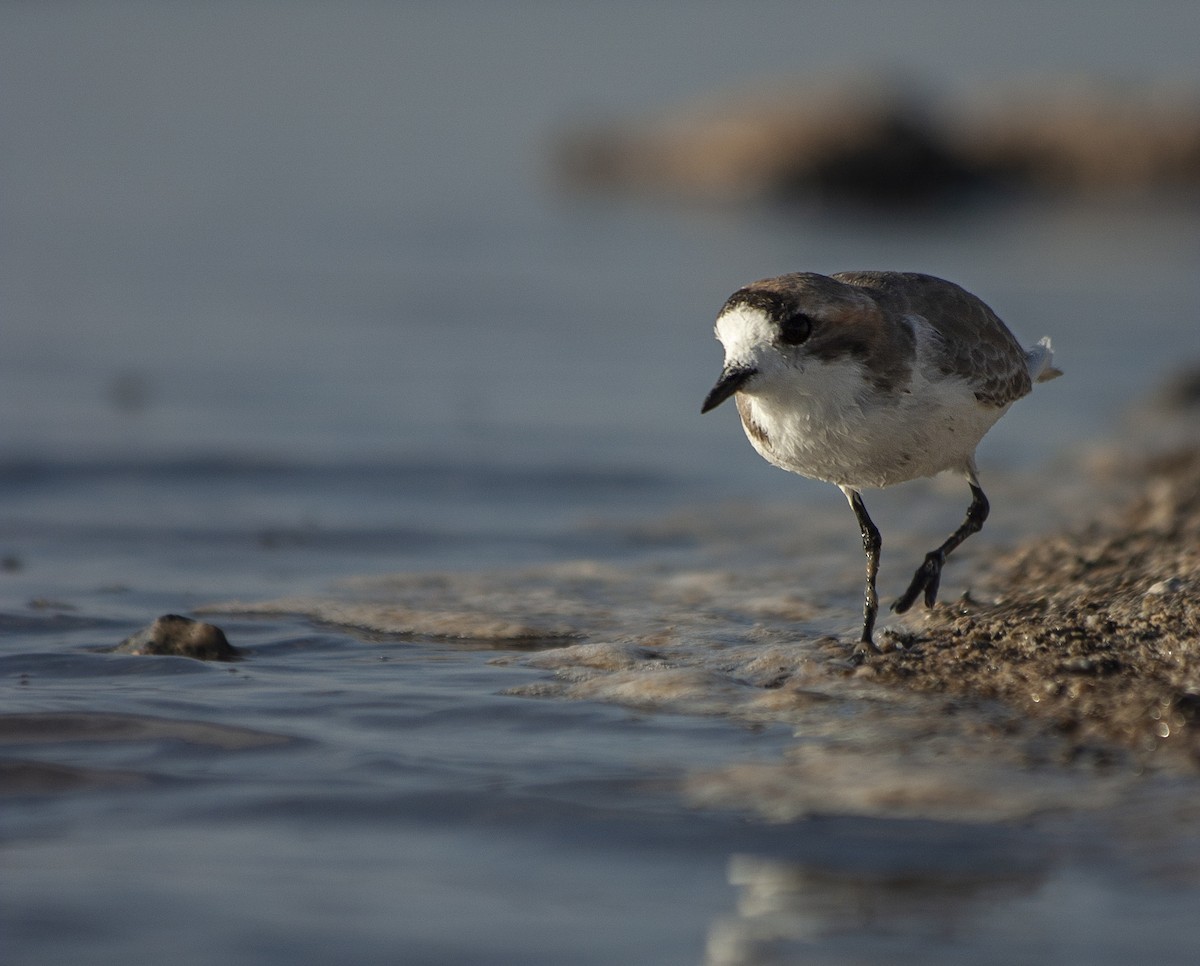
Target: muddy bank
1095,630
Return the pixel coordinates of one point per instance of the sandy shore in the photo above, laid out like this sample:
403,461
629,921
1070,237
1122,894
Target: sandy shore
1095,630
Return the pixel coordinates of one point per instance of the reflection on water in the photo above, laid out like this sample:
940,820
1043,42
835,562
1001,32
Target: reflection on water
788,909
1003,904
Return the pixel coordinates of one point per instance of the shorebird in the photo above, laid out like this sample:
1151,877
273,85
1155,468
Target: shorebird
868,379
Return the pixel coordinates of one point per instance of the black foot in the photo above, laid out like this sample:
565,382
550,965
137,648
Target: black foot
925,581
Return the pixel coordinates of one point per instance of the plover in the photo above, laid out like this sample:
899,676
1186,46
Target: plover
868,379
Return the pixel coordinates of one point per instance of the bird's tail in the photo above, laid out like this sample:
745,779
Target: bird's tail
1040,360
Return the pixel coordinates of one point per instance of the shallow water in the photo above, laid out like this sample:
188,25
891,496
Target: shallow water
537,665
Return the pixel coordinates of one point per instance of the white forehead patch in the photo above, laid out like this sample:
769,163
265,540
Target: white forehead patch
743,330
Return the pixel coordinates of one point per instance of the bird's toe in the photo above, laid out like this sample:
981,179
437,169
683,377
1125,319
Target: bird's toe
924,584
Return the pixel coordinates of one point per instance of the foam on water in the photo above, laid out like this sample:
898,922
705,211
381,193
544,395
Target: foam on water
746,644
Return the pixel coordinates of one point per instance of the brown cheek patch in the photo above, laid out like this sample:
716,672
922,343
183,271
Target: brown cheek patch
753,428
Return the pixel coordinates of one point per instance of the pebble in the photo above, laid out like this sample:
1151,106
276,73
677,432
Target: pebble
182,637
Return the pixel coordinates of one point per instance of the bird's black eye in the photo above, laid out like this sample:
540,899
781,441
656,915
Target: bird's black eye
795,329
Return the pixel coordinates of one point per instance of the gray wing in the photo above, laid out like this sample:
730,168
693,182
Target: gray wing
976,345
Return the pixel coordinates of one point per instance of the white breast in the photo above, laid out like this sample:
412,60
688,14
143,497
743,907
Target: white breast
830,424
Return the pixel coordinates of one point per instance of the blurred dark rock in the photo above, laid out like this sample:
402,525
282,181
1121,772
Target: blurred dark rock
846,141
180,636
880,145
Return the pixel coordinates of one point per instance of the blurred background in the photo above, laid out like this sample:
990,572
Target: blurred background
383,261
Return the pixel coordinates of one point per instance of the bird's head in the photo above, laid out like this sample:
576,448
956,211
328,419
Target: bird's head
773,328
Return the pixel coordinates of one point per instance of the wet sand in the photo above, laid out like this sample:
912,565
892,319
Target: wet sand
1094,631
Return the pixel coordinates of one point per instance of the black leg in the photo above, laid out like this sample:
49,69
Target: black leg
871,544
929,574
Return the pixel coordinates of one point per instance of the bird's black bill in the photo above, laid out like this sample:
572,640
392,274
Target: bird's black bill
730,382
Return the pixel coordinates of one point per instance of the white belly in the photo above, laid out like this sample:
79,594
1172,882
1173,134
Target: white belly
839,431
